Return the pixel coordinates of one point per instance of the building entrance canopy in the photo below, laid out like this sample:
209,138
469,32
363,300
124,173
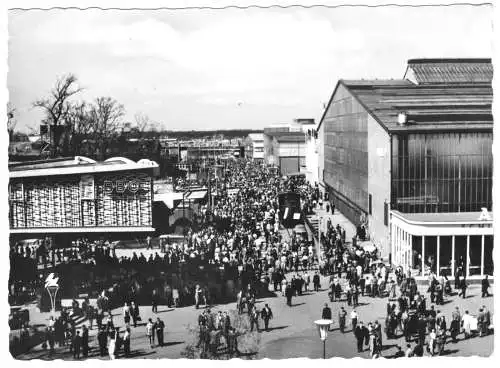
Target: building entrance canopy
443,243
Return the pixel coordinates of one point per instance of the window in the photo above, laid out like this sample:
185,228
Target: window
369,204
386,213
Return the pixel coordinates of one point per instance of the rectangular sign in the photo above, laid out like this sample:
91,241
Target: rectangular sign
87,187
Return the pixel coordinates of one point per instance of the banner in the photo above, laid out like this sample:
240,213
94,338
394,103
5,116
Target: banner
87,187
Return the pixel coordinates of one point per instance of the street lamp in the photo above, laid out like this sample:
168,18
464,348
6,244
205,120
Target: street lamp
323,326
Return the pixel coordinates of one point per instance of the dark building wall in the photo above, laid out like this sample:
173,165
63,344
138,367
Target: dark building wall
346,154
442,172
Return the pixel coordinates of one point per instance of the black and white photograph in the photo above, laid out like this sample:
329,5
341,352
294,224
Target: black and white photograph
250,181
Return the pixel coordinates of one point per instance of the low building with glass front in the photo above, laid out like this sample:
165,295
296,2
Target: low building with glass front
412,159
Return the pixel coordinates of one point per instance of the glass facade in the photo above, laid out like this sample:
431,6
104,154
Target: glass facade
450,255
346,150
442,172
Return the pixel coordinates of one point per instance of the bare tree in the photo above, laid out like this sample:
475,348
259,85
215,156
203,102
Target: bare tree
79,127
142,122
106,118
11,120
57,106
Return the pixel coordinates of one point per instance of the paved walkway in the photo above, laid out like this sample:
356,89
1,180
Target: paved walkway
293,332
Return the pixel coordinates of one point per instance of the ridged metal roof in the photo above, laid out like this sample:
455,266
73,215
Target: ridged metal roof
425,71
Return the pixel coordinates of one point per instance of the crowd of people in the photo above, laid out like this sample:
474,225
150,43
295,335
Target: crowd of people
410,315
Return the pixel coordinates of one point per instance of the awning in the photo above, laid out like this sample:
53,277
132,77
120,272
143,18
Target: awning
201,194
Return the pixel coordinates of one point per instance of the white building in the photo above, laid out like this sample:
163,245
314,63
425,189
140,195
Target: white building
256,146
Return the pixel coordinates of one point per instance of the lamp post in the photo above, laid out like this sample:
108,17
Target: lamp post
323,325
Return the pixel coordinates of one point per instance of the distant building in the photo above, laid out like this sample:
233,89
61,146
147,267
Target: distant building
412,158
73,196
256,147
285,148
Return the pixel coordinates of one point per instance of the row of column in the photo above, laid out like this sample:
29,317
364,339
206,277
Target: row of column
401,247
402,251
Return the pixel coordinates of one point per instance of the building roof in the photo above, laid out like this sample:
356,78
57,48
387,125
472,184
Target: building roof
299,138
436,107
256,136
444,217
450,71
435,94
77,165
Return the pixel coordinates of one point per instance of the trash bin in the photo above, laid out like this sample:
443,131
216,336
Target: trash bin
354,241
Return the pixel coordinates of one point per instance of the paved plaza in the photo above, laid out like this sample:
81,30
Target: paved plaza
292,331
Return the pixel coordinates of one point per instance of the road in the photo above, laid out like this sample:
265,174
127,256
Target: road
293,332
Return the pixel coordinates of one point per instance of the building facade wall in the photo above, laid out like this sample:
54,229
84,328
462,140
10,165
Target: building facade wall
104,200
269,154
442,172
312,161
379,186
345,154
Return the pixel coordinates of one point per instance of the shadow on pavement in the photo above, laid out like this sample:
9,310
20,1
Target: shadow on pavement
449,351
276,328
140,353
166,310
173,343
296,305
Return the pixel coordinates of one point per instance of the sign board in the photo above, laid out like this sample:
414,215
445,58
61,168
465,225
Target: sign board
87,187
485,216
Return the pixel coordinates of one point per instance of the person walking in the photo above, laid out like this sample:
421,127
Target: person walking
254,319
354,320
487,320
463,287
135,313
160,328
360,334
85,341
77,345
480,322
485,285
197,296
455,324
466,324
289,295
316,281
102,340
126,342
112,345
150,332
342,316
154,301
266,314
126,314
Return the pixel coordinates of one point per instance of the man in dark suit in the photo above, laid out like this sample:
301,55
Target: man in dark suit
327,312
288,294
266,314
85,341
77,345
102,339
160,327
316,281
360,333
485,284
342,316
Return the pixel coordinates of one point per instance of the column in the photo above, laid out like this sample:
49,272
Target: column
423,256
453,256
438,252
409,253
467,257
482,256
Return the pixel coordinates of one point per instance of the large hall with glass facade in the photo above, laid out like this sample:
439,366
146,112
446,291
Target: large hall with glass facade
420,174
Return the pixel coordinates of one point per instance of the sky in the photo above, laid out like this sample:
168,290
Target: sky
227,69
